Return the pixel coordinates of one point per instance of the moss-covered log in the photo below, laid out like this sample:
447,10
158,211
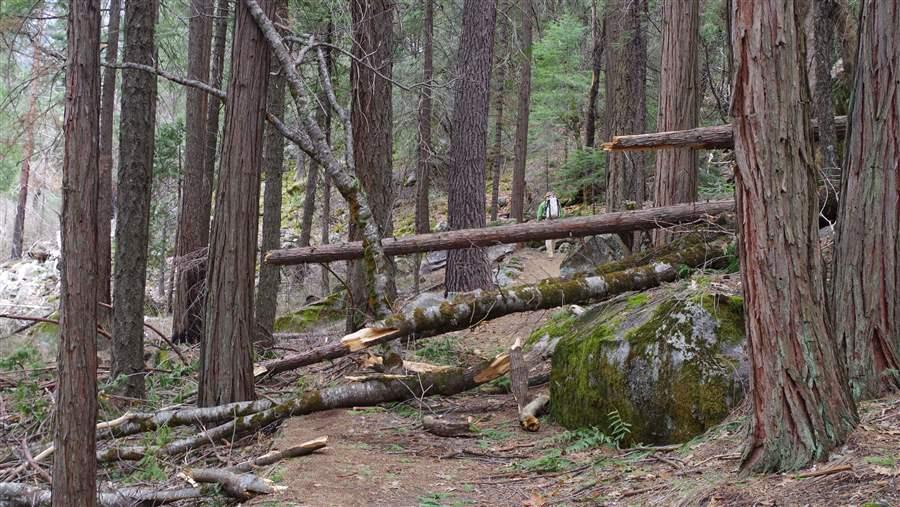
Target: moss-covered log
467,309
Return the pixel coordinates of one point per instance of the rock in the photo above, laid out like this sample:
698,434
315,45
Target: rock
591,252
670,361
326,309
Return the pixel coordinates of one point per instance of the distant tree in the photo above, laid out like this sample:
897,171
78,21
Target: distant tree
866,290
597,46
626,104
226,362
802,408
468,269
679,105
517,201
273,158
501,57
75,462
135,174
194,209
371,115
424,148
824,15
217,74
107,113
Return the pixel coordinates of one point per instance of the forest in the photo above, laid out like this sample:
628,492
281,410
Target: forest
450,252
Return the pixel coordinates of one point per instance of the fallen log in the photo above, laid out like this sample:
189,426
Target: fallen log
465,310
448,426
241,486
374,391
14,493
270,458
623,221
528,415
719,137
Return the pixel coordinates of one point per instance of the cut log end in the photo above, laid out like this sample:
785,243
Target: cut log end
528,416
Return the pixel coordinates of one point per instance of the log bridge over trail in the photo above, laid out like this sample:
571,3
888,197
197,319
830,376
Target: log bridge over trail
623,221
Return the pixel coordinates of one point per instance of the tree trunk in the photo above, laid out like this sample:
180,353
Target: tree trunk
625,105
848,31
468,269
679,99
226,369
74,465
107,112
424,150
866,292
823,105
193,215
371,116
590,120
517,201
270,276
18,235
217,73
136,143
501,56
802,408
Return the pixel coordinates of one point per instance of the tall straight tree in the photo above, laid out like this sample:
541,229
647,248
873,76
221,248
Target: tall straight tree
424,149
468,269
217,73
501,58
824,16
74,462
371,117
136,140
801,403
226,363
590,120
517,202
273,157
194,209
626,104
107,113
679,99
866,290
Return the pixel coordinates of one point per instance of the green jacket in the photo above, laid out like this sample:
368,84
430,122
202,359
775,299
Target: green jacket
542,210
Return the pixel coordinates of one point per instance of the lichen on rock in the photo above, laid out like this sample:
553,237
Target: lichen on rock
670,361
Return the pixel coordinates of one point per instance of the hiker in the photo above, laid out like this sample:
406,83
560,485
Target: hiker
549,209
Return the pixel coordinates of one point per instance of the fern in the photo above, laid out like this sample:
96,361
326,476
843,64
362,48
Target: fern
618,428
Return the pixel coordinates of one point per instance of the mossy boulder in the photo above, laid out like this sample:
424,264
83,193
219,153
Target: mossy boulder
591,252
324,310
671,361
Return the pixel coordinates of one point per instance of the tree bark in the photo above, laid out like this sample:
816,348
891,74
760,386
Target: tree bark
616,222
801,403
468,269
273,158
215,103
74,466
424,150
590,120
107,113
371,115
323,117
18,234
866,290
626,105
517,201
679,99
136,145
29,496
501,57
225,353
823,106
194,211
848,31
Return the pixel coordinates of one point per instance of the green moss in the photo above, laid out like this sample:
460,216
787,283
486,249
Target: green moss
328,309
638,300
560,324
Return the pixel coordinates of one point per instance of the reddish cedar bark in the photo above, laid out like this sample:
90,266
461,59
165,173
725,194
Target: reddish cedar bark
226,369
866,291
801,403
74,463
679,90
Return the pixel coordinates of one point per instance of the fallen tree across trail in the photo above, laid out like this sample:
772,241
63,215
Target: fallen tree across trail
465,310
18,494
718,137
622,221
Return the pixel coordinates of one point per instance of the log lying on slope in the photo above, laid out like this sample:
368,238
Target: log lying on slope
465,310
623,221
14,493
719,137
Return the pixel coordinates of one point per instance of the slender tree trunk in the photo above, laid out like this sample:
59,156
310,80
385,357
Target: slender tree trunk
136,140
161,281
848,31
269,275
590,120
866,292
107,112
517,204
371,116
226,367
217,73
468,269
823,106
74,462
679,98
423,160
626,105
18,236
802,408
326,229
193,216
500,62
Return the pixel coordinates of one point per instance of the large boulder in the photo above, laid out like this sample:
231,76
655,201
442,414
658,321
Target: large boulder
591,252
670,361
